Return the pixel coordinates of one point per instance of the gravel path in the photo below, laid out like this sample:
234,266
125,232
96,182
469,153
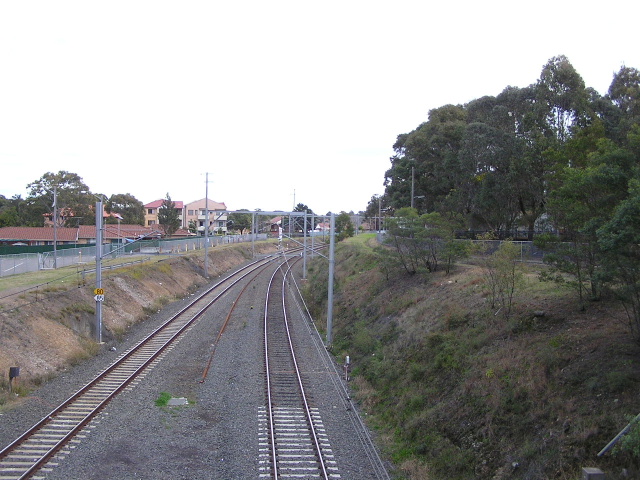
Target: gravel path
215,436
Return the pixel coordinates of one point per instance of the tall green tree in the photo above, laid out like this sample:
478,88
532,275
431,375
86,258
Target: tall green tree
581,204
240,221
73,202
619,241
344,226
427,158
485,192
624,94
168,216
12,211
562,94
299,222
128,207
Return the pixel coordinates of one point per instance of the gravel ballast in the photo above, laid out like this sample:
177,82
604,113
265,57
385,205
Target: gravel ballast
216,435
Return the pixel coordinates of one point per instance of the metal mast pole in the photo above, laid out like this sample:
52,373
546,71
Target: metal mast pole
313,228
99,271
304,248
253,234
206,224
55,227
330,281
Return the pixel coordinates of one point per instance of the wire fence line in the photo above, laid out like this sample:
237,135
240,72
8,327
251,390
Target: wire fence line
528,251
13,264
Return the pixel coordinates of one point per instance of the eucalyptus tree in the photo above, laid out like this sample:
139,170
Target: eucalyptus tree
619,238
427,157
421,243
70,195
485,193
624,95
582,203
240,220
299,223
344,226
8,213
375,208
128,207
562,95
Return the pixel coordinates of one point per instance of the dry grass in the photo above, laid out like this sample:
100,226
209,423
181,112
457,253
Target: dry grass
44,333
460,391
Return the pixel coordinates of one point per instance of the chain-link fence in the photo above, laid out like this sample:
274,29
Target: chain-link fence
528,251
30,262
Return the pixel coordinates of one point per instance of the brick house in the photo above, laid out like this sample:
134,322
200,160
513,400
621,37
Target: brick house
38,235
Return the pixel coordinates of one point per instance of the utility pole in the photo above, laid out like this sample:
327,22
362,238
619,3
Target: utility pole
99,292
55,227
330,281
206,225
304,248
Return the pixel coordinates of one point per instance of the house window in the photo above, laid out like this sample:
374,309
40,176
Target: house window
221,224
190,213
150,211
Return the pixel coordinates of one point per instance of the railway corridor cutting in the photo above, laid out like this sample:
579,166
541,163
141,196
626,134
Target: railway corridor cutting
225,431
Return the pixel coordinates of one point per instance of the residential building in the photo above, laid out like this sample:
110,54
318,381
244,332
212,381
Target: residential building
196,212
67,216
38,235
151,212
82,235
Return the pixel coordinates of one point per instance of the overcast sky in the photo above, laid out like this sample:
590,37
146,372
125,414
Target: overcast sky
267,97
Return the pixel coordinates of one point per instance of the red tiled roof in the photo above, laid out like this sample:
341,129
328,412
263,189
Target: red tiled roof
158,203
63,234
211,204
111,231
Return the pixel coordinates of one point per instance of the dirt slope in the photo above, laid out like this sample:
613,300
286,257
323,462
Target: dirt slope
44,330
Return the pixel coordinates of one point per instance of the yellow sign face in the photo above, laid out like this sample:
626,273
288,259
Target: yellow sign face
98,291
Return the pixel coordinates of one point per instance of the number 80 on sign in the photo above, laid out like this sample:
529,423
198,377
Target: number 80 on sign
99,294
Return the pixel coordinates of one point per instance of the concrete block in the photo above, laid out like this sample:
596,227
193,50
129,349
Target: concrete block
589,473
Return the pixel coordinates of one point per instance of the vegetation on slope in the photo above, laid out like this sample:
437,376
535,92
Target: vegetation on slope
47,317
458,390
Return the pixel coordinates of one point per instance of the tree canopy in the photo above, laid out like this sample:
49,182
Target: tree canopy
168,216
555,157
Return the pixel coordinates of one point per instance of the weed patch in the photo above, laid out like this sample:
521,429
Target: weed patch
163,399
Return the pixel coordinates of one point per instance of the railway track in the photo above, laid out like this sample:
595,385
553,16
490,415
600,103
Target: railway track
36,448
294,441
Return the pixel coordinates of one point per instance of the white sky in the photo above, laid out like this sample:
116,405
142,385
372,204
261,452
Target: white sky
268,97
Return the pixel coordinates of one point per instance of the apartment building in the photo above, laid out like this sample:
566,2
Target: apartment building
151,212
192,214
195,213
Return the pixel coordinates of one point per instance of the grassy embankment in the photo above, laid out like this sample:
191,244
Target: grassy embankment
458,390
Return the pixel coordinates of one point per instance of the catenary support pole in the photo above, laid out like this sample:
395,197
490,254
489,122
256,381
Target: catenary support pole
98,292
304,248
206,225
330,281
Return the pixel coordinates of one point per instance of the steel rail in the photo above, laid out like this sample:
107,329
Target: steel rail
68,419
302,396
360,429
